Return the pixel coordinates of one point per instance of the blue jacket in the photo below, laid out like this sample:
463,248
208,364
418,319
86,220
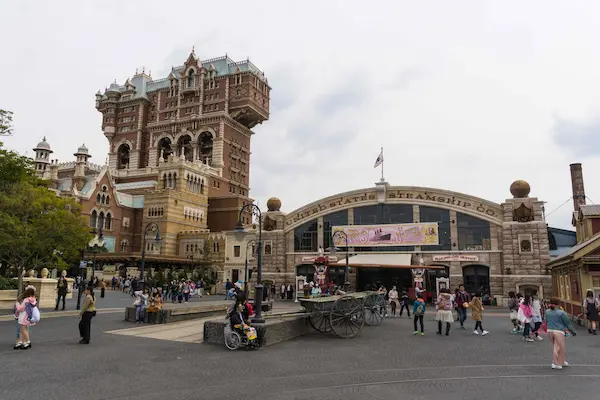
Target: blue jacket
557,320
417,303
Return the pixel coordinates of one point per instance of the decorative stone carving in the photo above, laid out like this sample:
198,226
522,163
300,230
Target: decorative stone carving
45,273
523,214
270,224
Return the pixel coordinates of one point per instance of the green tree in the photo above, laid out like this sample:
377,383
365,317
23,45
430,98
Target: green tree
37,228
6,117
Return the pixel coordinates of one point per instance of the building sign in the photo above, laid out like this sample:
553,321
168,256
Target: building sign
436,199
387,235
455,257
311,259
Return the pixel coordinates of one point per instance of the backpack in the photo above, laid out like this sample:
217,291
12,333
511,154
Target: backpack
420,309
35,315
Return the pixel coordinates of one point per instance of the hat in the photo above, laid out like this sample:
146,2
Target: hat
238,285
30,287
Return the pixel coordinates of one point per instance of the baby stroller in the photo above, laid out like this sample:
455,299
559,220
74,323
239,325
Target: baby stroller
237,336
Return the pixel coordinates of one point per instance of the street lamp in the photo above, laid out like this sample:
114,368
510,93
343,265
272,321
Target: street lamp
250,242
95,246
342,235
258,292
154,227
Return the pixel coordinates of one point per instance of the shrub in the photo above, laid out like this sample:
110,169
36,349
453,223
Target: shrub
7,284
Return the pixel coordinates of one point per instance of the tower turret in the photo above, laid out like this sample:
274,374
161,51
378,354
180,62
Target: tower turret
42,159
80,164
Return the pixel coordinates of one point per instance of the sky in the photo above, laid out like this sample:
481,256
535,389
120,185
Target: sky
463,95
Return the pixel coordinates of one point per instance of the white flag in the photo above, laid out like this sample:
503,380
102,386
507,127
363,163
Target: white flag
379,160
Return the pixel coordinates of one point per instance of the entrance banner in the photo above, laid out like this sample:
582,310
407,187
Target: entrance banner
418,234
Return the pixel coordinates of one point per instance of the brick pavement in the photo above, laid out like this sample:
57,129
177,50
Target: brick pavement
383,362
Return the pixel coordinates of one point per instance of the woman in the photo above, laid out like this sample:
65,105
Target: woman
590,305
393,300
558,322
186,290
444,311
88,311
140,303
477,314
526,316
156,301
536,318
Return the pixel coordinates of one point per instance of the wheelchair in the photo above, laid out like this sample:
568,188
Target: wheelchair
236,338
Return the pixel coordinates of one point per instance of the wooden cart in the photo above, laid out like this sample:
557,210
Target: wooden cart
345,315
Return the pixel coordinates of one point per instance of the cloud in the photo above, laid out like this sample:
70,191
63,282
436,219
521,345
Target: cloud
580,139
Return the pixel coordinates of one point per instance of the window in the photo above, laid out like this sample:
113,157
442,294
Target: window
442,217
473,233
236,251
384,214
305,237
268,248
124,245
108,222
93,219
476,277
331,220
215,247
190,79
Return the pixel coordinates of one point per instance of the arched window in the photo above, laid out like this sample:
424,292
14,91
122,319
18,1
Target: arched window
103,199
124,245
185,144
123,156
206,147
98,198
108,222
164,148
107,200
93,219
101,220
190,79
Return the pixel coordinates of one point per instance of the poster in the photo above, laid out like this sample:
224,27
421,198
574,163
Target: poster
417,234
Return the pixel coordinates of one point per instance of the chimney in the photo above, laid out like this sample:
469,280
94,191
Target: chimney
577,184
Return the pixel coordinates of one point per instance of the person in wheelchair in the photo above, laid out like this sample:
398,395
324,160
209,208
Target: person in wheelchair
236,318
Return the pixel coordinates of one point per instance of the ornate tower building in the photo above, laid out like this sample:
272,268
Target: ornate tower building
42,159
202,113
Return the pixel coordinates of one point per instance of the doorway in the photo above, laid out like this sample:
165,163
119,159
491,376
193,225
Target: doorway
235,275
476,278
371,278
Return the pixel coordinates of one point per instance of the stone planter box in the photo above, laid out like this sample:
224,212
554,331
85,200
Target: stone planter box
7,299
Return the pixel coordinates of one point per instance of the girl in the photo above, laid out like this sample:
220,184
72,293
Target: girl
590,305
513,309
393,300
536,314
525,316
18,304
88,311
25,310
477,313
418,311
558,322
444,311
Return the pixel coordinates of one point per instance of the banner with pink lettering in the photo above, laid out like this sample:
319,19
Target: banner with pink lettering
419,234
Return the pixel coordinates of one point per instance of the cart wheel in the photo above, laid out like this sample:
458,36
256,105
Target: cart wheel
319,320
347,317
375,308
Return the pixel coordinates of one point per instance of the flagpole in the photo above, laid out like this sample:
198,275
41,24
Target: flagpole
382,160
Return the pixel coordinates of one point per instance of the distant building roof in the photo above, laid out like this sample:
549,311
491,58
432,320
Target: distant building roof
132,201
136,185
590,210
576,248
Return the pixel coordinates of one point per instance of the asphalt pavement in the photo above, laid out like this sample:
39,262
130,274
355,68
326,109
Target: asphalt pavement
383,362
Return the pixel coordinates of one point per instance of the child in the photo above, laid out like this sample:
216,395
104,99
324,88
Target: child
18,304
513,309
418,312
404,301
25,311
477,314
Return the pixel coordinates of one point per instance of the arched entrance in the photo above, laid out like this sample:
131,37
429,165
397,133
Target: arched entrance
476,278
433,274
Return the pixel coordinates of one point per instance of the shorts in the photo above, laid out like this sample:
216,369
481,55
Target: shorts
514,315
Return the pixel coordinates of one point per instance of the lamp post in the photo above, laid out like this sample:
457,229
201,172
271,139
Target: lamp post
81,264
250,242
154,227
339,235
258,292
95,246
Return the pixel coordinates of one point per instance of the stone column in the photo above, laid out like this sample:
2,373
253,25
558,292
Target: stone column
320,233
152,157
351,216
453,230
158,107
179,97
226,95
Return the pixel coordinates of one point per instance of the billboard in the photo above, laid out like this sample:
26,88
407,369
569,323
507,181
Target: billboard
418,234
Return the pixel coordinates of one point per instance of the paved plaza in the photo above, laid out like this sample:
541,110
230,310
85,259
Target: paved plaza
127,361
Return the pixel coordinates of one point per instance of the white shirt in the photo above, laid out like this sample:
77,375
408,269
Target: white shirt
393,294
282,288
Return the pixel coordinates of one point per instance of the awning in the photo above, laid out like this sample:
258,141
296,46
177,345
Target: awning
374,260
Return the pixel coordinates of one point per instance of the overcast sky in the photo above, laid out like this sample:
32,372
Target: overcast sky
463,95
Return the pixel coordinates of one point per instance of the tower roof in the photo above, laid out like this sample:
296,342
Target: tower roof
82,151
43,145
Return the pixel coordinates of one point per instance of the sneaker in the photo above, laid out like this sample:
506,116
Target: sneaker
415,332
422,333
475,332
565,364
539,338
514,331
462,328
18,346
528,339
26,346
554,366
484,333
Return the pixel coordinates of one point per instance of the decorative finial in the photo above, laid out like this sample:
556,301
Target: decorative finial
193,48
115,81
143,70
44,139
136,71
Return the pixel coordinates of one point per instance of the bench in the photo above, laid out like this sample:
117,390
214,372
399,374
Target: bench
176,314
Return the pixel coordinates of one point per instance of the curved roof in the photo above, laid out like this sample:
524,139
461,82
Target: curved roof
43,145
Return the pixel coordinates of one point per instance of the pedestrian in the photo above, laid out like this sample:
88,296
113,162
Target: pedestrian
62,286
525,316
273,291
513,310
404,300
140,303
283,291
477,314
393,300
418,312
26,318
290,292
186,290
18,305
88,311
102,288
444,311
462,297
228,286
558,323
590,305
536,315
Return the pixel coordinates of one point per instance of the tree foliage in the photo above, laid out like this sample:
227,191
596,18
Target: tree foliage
37,228
6,117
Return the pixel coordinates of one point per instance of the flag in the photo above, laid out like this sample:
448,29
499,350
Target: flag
379,160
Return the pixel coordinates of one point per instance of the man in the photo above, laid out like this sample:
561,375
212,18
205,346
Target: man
228,286
61,287
462,297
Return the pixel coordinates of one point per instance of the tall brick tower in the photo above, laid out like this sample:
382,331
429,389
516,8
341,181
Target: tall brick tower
577,185
203,112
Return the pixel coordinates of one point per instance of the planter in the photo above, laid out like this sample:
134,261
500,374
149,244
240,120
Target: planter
7,299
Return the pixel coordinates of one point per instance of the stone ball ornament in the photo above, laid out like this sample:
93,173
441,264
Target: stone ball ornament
273,204
520,189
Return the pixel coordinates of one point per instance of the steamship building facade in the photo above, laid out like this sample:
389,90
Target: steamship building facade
179,157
